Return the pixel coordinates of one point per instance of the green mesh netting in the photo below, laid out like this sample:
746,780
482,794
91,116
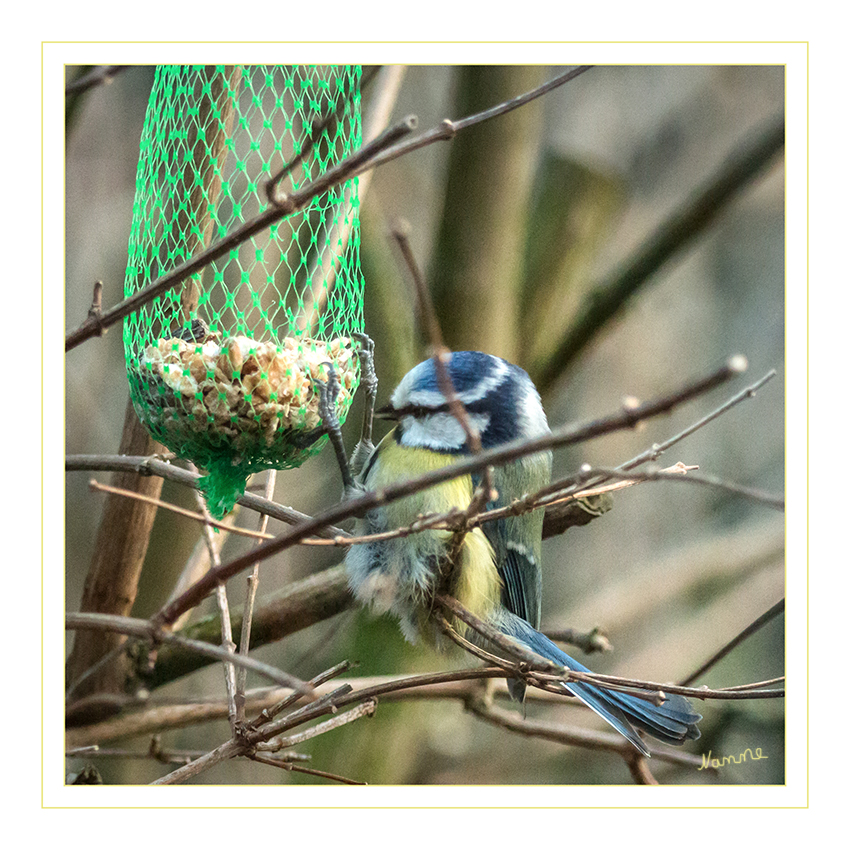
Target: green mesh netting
222,366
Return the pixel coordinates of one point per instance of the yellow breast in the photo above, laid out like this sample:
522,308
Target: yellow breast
473,578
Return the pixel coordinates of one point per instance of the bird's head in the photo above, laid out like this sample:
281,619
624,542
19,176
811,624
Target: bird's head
500,400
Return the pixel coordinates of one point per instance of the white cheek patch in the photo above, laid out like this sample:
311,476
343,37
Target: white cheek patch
439,431
533,422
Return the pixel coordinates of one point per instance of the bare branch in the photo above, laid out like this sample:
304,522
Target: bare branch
572,735
283,207
270,712
639,769
364,159
566,435
365,709
764,619
282,612
99,75
250,598
588,642
670,474
673,234
544,670
447,129
285,763
248,740
227,643
197,516
440,355
157,465
659,448
145,630
621,683
226,751
154,751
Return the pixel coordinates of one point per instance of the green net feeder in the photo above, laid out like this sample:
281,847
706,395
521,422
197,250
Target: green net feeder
223,367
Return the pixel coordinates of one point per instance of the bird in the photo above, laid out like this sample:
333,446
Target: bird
492,569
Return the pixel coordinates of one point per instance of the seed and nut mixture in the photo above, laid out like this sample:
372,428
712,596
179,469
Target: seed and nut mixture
243,389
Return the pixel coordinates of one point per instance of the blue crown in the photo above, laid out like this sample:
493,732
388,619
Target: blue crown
499,397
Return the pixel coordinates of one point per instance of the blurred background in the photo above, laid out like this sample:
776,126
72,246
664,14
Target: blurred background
516,223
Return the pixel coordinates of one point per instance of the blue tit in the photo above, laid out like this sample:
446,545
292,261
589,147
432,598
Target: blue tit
495,571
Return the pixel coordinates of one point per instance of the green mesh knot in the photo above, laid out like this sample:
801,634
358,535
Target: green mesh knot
223,367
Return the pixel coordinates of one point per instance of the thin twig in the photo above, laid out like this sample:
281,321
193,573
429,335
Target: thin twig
441,356
571,735
250,597
658,449
750,685
568,485
639,769
277,614
620,683
226,751
224,615
672,235
271,186
366,158
329,703
674,473
281,742
248,741
510,668
285,764
154,751
588,642
99,75
566,435
447,129
543,669
764,619
144,629
453,518
439,352
157,465
272,711
286,206
197,516
574,488
513,648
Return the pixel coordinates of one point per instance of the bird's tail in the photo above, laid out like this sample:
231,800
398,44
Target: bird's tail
673,722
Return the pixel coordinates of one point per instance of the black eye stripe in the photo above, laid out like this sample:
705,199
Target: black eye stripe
420,410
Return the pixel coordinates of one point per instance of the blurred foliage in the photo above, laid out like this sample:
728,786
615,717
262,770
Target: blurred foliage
515,222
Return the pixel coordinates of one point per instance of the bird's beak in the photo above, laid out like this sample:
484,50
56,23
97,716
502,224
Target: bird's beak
386,412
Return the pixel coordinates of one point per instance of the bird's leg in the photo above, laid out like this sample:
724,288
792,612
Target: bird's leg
369,381
328,392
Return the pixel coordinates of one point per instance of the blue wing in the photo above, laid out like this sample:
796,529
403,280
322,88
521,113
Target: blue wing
516,539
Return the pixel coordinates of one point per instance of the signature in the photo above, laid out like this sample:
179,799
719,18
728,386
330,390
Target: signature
746,755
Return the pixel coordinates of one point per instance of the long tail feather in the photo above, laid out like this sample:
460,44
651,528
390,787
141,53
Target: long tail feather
674,722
